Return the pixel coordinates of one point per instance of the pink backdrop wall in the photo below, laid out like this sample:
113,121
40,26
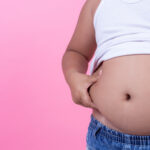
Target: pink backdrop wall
36,109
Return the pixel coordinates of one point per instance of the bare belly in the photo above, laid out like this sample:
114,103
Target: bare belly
122,94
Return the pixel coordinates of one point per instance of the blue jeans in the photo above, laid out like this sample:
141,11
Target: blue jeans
100,137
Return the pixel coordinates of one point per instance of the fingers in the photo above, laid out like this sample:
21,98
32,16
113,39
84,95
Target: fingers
95,77
85,98
92,79
87,102
81,96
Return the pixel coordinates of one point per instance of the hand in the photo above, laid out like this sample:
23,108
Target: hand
79,85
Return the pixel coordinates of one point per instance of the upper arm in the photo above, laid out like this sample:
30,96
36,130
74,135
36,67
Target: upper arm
83,38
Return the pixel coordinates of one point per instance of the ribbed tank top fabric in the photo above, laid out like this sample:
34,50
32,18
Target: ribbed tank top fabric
122,27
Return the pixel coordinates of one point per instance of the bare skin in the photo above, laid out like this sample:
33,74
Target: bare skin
122,93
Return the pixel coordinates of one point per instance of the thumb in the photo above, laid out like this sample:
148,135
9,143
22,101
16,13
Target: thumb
90,101
95,77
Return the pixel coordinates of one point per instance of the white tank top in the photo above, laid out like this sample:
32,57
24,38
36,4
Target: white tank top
122,27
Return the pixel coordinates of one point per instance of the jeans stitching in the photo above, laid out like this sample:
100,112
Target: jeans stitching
96,131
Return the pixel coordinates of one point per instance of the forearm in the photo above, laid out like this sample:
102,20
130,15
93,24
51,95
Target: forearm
73,61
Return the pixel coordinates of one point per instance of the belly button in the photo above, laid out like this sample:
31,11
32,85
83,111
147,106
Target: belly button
128,96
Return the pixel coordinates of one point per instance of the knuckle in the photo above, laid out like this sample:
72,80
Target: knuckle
75,100
86,104
85,101
83,97
88,77
77,94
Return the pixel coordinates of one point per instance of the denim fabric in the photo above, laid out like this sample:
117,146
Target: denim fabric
101,137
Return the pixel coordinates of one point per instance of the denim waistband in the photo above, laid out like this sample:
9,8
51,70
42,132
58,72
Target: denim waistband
119,136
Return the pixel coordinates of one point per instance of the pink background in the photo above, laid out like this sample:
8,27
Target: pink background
36,108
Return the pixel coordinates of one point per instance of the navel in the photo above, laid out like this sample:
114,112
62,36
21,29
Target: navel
128,96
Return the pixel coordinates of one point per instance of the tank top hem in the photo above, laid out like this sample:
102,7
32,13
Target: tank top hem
127,48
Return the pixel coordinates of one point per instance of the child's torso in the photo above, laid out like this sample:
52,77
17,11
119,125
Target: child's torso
122,94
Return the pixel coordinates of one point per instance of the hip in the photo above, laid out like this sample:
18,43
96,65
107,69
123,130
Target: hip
101,137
